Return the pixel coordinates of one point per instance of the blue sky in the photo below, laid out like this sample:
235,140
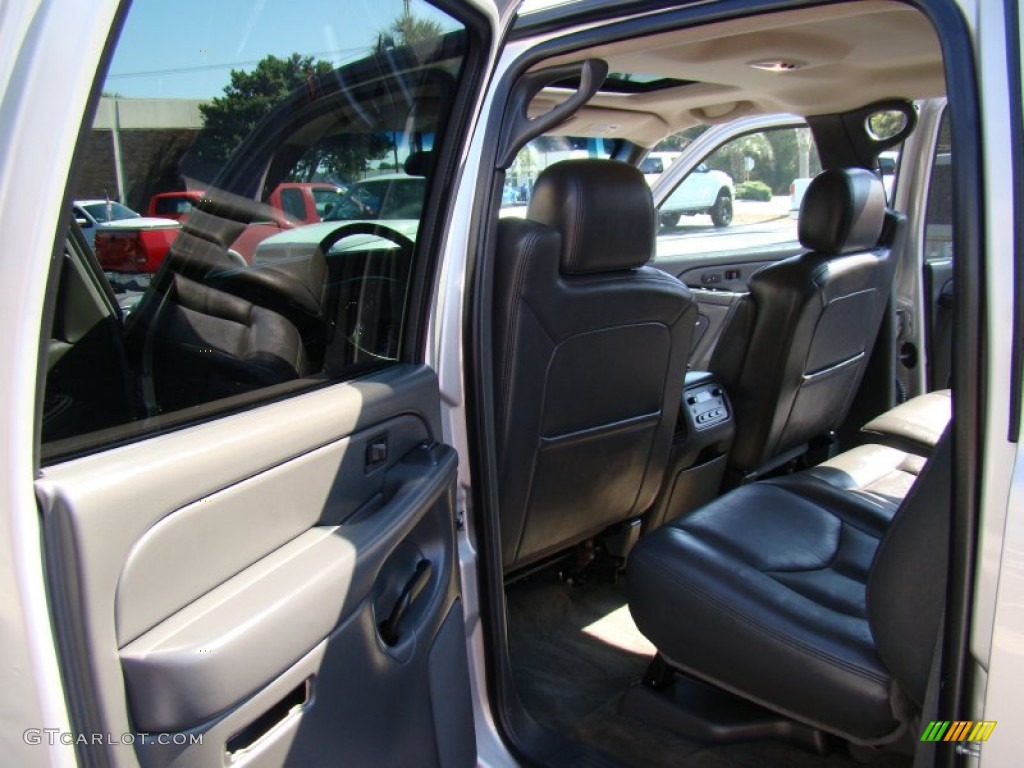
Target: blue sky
187,48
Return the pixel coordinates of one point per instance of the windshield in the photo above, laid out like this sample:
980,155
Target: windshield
381,198
327,200
110,211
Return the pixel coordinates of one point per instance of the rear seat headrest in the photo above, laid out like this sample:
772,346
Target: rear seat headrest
603,210
843,211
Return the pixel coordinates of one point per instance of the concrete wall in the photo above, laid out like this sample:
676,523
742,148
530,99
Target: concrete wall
153,135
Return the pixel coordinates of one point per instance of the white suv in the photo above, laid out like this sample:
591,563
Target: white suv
703,191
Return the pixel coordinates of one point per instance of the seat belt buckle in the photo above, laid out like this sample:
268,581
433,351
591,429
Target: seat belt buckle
969,749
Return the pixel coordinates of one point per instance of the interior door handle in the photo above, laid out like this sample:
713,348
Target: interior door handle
411,590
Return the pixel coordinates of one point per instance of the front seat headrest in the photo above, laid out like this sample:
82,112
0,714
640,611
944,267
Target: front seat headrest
419,163
843,211
603,210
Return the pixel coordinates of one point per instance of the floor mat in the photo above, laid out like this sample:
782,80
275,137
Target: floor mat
574,651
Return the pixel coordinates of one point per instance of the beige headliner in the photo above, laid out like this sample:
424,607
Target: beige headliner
851,55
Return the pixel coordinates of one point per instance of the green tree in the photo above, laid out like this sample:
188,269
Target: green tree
887,123
732,158
408,30
678,141
250,96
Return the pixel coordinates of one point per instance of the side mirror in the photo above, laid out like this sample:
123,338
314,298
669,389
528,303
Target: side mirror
702,168
82,222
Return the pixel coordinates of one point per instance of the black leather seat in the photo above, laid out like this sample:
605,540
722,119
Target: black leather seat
590,350
210,328
794,349
293,287
198,344
804,598
898,442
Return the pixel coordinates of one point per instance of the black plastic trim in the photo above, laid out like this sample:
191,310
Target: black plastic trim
518,127
849,144
436,216
1013,46
970,349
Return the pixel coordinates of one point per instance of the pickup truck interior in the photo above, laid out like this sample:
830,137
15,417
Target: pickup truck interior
746,560
712,521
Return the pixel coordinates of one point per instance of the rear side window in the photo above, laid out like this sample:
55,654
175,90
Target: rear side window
165,321
652,165
742,198
172,206
938,232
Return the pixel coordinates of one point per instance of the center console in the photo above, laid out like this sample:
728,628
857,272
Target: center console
700,450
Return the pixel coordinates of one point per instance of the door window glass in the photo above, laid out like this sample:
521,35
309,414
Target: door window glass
346,102
741,199
938,228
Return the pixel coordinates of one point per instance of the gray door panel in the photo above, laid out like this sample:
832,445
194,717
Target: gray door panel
716,281
713,309
724,275
728,271
243,567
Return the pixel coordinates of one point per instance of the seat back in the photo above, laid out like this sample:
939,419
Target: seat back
906,592
795,349
590,350
210,327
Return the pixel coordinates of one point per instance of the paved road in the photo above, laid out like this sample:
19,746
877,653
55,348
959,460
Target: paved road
693,236
756,226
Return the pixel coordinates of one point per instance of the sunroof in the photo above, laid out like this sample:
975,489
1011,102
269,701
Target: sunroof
629,82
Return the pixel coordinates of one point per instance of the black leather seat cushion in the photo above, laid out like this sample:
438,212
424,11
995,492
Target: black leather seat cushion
763,592
879,474
207,344
819,594
292,287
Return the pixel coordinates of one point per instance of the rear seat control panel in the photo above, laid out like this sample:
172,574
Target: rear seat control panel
707,404
700,449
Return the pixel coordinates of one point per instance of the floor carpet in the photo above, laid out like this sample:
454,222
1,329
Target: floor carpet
574,651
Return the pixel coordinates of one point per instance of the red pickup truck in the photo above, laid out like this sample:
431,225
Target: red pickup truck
140,251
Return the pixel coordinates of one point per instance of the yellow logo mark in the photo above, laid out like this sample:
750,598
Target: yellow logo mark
959,730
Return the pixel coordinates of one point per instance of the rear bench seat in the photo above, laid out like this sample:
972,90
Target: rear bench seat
897,443
764,591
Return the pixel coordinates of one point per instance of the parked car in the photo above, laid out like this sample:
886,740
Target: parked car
174,205
98,215
510,195
123,240
656,163
704,191
427,486
388,196
306,202
138,246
